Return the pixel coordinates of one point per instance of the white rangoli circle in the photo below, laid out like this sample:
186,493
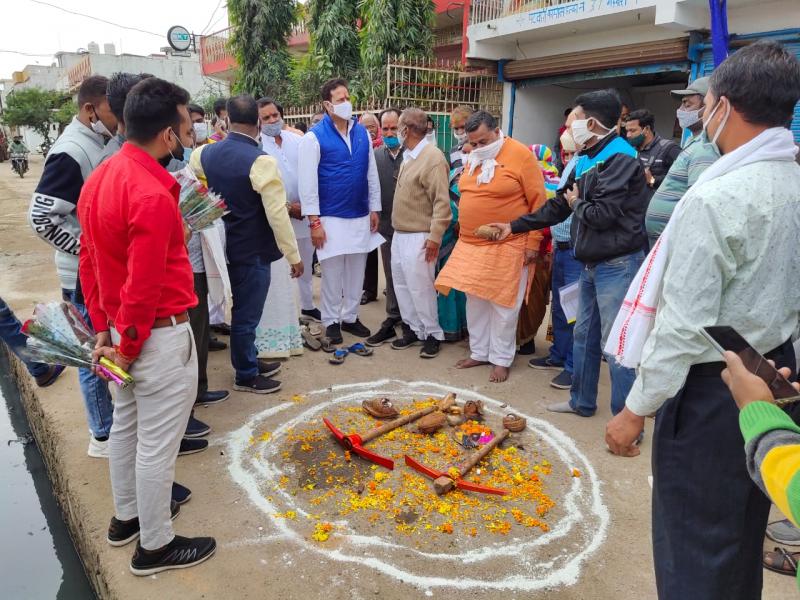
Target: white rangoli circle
566,547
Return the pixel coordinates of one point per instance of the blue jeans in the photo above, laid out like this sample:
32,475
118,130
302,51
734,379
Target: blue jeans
602,290
96,397
11,334
249,284
566,270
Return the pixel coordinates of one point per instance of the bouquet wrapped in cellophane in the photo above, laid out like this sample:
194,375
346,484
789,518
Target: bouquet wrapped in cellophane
58,335
199,206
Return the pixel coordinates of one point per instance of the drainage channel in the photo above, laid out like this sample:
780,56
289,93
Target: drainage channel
39,558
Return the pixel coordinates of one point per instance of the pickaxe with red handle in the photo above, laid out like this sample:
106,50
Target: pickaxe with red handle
354,442
443,481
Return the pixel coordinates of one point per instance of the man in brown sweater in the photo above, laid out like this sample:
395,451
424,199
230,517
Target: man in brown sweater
420,216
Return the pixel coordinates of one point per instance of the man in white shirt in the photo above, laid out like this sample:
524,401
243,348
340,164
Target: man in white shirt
284,146
731,260
340,194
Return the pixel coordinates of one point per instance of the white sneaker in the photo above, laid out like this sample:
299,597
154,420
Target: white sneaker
97,449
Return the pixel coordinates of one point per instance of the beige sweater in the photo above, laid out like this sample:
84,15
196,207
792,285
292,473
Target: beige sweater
422,198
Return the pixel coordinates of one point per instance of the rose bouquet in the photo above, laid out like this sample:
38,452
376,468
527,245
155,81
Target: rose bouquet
199,206
59,335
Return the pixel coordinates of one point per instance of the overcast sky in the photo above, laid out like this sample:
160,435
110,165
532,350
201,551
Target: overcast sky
37,29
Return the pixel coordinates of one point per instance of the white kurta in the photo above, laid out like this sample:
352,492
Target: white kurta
287,155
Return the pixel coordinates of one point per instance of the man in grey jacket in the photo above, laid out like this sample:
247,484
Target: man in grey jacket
388,158
53,216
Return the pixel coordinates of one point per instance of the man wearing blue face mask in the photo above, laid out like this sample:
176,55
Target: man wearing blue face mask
284,147
388,157
342,203
695,158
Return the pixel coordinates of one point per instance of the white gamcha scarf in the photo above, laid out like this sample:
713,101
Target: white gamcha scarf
485,157
637,315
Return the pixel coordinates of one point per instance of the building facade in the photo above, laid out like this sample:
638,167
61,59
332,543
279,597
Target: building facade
69,69
549,51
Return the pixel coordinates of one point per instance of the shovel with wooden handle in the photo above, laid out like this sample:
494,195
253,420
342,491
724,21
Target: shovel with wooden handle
354,442
444,482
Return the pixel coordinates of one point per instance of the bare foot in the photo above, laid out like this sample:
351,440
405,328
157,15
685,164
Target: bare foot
498,374
468,363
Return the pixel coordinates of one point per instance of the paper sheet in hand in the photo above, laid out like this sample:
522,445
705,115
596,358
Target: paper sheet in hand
569,301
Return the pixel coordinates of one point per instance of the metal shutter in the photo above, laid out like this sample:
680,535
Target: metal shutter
632,55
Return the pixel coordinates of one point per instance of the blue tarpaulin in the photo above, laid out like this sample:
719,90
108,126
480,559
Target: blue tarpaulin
719,29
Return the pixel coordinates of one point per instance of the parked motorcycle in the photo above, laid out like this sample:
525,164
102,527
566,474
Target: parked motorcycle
19,163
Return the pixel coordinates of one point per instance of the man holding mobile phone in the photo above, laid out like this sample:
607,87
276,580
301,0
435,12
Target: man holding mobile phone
731,260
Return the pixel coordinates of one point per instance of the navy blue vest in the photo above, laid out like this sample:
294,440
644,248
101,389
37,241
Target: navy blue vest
227,167
342,174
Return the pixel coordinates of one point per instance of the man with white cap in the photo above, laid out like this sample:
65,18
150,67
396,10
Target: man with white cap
697,155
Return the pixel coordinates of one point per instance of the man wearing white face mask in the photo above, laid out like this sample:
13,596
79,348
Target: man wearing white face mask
607,196
342,203
53,216
696,157
731,259
284,147
458,119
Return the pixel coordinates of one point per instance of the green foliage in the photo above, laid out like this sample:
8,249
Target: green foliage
334,34
38,109
308,74
260,30
388,27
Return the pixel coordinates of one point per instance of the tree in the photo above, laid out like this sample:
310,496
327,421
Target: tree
260,30
334,34
39,109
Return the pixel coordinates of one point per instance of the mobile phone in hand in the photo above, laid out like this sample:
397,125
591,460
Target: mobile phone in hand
725,338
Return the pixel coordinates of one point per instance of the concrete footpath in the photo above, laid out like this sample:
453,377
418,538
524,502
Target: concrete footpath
241,495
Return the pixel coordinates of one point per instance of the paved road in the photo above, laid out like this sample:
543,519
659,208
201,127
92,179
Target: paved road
263,557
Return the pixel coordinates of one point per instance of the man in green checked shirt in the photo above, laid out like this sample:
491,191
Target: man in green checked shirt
697,155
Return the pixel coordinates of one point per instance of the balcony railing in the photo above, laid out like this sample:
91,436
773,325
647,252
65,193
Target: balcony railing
447,37
488,10
80,71
215,57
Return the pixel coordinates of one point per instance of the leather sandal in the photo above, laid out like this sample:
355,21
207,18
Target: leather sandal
380,408
781,561
514,423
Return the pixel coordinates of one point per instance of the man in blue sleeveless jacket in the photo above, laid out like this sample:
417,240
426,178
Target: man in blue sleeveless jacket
341,196
258,232
608,196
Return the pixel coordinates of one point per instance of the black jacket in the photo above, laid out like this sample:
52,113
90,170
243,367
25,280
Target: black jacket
609,213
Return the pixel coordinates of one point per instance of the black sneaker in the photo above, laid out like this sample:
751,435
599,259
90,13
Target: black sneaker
527,349
49,378
192,446
212,397
385,333
409,339
312,314
258,385
121,533
544,362
195,428
334,333
180,553
431,348
268,369
214,345
180,493
562,381
357,329
222,329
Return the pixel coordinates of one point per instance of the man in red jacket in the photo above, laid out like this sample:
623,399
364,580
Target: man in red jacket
137,281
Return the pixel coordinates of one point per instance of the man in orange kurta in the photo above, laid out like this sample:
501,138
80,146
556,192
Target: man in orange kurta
501,177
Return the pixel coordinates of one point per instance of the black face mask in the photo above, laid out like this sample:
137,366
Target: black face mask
174,153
